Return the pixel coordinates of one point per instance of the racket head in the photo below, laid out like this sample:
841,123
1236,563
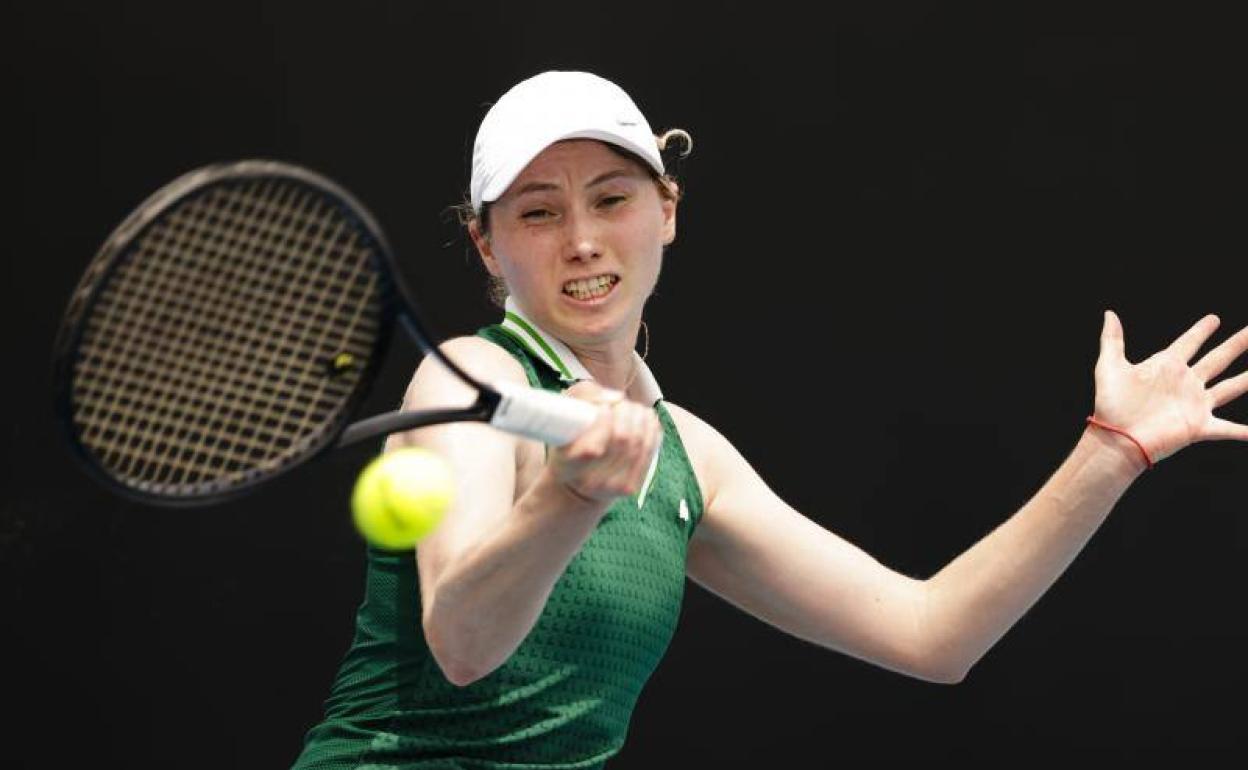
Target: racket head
225,333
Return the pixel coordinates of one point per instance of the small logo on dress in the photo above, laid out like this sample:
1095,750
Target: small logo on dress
684,510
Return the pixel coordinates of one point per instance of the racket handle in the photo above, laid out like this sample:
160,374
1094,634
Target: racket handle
541,415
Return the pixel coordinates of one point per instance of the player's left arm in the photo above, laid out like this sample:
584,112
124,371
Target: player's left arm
758,553
761,555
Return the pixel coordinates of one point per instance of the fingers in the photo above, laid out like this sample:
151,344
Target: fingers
612,457
1112,345
1225,430
593,442
1186,346
1228,390
634,428
588,390
1216,361
584,465
648,434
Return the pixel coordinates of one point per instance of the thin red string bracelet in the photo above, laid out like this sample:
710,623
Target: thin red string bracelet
1106,426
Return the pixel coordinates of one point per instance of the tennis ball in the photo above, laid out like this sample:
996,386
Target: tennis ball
401,496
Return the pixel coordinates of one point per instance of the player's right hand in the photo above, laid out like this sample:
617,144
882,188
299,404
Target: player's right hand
611,458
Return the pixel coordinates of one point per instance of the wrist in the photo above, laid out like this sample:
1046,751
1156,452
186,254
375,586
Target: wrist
1119,454
556,494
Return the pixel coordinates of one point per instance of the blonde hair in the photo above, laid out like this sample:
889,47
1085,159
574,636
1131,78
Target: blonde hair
668,186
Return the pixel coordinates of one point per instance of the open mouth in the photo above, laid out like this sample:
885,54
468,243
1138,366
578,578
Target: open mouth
585,289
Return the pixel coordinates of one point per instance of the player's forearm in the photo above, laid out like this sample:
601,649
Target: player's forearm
484,607
977,597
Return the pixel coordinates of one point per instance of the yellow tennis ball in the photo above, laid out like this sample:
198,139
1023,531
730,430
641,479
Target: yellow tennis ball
401,496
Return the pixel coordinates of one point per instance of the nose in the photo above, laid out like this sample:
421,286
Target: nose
583,237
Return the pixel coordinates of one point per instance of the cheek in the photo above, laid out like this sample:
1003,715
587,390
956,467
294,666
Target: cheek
647,236
519,260
510,272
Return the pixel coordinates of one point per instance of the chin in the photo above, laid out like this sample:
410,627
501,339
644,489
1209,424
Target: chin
593,324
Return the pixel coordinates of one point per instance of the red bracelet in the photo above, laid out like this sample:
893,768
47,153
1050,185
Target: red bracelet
1143,451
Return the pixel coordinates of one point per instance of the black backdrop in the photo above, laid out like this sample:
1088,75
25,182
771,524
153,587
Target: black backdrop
907,220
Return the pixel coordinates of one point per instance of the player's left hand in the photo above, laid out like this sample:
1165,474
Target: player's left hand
1162,402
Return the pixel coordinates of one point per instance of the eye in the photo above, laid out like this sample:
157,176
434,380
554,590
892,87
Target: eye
536,214
612,200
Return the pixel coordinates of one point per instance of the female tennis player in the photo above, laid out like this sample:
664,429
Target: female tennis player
522,631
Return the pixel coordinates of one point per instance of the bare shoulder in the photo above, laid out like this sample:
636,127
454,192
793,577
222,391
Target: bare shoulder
482,359
433,383
434,386
693,429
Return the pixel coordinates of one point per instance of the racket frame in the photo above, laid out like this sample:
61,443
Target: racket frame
396,305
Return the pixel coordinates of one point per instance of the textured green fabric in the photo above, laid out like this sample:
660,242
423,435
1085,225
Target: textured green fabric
564,698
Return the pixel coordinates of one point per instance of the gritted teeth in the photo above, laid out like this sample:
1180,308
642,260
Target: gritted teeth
589,288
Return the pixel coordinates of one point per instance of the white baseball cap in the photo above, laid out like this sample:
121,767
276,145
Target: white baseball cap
549,108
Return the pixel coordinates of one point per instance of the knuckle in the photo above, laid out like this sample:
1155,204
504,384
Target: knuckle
584,390
589,450
632,437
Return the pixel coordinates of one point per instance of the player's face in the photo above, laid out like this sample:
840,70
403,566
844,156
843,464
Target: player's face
579,237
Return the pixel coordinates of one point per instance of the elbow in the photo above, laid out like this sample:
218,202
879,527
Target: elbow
944,663
458,669
939,658
931,670
945,675
451,647
460,676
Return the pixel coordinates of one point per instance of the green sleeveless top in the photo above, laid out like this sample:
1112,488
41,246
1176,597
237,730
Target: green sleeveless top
564,698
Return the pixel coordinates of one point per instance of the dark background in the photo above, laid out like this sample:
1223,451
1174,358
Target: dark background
907,220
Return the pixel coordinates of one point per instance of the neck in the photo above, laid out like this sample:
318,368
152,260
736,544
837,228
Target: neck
614,364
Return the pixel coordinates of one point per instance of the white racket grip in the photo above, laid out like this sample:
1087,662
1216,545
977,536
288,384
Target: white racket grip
539,414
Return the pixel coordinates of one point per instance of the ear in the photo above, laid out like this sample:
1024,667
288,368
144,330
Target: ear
484,248
669,220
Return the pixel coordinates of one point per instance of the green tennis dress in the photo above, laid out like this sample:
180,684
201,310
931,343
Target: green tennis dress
564,698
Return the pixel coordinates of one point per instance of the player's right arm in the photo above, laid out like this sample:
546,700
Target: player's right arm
487,570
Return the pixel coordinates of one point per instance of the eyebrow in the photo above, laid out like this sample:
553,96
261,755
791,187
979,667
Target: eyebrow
600,179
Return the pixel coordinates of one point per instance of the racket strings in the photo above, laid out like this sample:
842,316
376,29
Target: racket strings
203,362
244,382
269,404
118,325
350,273
154,288
169,383
217,401
167,363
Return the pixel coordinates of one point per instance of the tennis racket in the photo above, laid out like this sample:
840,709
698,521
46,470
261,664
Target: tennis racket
229,328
